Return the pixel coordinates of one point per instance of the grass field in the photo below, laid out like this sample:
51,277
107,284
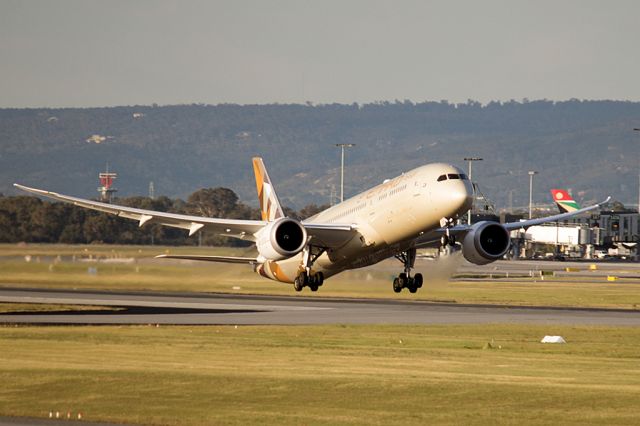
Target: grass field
497,374
47,307
472,374
133,268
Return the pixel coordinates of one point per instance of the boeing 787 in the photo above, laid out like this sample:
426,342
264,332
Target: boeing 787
417,209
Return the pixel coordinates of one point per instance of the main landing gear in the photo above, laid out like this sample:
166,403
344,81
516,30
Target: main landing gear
405,280
313,281
305,278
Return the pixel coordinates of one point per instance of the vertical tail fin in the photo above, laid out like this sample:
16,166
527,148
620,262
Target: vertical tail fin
269,203
564,201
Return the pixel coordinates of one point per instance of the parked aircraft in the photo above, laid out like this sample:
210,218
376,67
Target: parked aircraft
417,209
564,201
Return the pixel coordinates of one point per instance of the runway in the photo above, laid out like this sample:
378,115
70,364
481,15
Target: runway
233,309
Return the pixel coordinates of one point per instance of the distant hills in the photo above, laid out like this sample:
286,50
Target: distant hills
587,146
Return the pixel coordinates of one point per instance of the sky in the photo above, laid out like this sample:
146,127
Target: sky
85,53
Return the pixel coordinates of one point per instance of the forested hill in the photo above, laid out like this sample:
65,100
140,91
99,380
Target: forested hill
588,146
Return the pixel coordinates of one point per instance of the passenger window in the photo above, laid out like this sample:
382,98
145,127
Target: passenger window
442,177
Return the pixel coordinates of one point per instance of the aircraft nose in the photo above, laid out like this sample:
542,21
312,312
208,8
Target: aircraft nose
461,196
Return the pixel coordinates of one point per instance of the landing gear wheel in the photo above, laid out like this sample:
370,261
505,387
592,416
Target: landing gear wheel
417,280
397,287
313,287
304,279
319,279
403,280
297,284
412,288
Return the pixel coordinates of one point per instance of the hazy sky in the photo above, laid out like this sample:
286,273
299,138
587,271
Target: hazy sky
99,53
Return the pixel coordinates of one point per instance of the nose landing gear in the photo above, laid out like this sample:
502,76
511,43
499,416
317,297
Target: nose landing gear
405,280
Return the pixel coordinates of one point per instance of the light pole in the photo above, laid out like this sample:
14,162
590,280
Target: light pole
531,173
637,129
470,160
343,146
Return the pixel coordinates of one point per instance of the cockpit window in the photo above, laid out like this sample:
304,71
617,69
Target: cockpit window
452,176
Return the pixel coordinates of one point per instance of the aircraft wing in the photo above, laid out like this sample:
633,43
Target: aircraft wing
221,259
242,229
562,216
432,238
324,235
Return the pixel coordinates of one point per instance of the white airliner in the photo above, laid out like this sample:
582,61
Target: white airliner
416,209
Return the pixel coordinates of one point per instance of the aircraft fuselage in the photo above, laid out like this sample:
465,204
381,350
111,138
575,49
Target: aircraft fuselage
388,218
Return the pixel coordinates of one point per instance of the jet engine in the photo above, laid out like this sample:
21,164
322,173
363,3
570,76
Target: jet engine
485,242
281,239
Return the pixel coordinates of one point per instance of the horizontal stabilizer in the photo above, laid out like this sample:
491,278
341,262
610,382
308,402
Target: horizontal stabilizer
222,259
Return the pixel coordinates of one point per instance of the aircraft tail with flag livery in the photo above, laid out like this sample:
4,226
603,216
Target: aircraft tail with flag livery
564,201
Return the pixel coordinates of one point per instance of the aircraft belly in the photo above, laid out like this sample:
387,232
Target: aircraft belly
288,269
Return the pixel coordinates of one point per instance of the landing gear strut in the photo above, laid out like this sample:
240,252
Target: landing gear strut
447,241
405,280
305,278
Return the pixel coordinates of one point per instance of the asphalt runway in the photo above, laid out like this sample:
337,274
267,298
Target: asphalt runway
232,309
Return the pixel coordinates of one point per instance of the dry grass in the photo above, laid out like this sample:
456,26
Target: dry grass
323,375
42,307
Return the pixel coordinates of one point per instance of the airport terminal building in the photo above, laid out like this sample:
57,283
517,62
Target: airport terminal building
609,233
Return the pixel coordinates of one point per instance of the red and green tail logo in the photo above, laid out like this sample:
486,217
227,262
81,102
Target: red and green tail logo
564,201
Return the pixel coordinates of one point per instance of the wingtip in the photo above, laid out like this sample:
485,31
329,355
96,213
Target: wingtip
22,187
32,190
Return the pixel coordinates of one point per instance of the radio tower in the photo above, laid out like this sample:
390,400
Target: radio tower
106,188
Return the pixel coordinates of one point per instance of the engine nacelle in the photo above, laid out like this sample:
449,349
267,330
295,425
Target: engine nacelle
281,239
485,242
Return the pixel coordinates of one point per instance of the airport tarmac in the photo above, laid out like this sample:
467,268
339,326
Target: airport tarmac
234,309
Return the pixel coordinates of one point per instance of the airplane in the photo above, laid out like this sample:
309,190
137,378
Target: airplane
417,209
564,201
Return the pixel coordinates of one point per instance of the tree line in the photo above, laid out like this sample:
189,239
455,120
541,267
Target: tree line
180,147
29,219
